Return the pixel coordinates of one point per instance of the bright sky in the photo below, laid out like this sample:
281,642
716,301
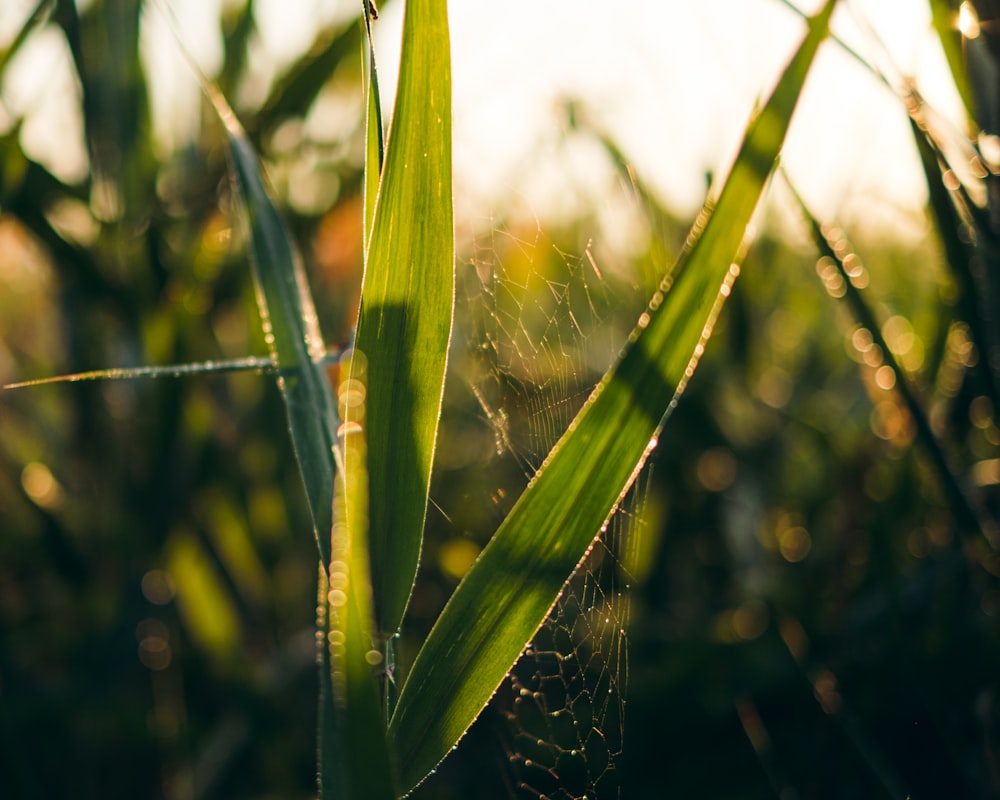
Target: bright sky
672,81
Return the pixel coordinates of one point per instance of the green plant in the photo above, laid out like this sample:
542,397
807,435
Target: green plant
401,345
365,449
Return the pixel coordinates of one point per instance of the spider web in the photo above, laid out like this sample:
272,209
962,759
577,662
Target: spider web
542,326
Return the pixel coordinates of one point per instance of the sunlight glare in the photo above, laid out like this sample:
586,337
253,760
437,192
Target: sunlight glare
534,84
968,22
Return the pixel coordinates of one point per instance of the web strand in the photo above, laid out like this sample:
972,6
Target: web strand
541,332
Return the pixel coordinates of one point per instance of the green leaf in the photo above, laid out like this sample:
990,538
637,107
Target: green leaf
237,28
407,306
352,730
511,588
968,514
205,603
355,758
115,113
291,330
968,240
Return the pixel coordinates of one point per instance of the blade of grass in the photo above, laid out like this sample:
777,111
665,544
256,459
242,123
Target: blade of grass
358,753
374,161
261,364
407,306
291,330
971,519
352,731
969,243
510,589
115,111
237,28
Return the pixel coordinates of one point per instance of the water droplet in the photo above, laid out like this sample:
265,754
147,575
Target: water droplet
337,598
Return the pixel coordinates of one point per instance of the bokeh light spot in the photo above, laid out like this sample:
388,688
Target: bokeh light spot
794,544
154,644
750,620
825,686
717,469
981,412
41,486
775,387
885,377
157,587
456,556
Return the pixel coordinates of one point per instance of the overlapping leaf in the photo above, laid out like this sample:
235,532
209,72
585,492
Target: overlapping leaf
291,330
508,592
406,307
354,760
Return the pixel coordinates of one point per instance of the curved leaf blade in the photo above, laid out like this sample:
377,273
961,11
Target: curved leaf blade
291,330
511,588
352,729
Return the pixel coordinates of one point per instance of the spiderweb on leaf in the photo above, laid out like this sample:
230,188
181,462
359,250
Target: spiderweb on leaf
541,327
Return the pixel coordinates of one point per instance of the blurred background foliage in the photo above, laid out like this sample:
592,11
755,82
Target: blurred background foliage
811,616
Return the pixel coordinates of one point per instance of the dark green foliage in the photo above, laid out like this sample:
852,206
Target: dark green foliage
806,617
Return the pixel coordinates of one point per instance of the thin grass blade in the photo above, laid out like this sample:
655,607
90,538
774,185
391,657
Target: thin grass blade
971,518
291,330
238,27
352,730
407,306
511,588
252,363
969,243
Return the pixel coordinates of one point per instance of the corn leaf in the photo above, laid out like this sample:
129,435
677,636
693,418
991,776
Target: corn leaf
513,585
406,307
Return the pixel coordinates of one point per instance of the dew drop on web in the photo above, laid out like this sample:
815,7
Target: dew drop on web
539,337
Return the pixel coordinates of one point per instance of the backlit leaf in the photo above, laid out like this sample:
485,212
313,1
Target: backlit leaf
407,306
510,589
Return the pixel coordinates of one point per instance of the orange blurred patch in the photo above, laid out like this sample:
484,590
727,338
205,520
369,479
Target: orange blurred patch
338,242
